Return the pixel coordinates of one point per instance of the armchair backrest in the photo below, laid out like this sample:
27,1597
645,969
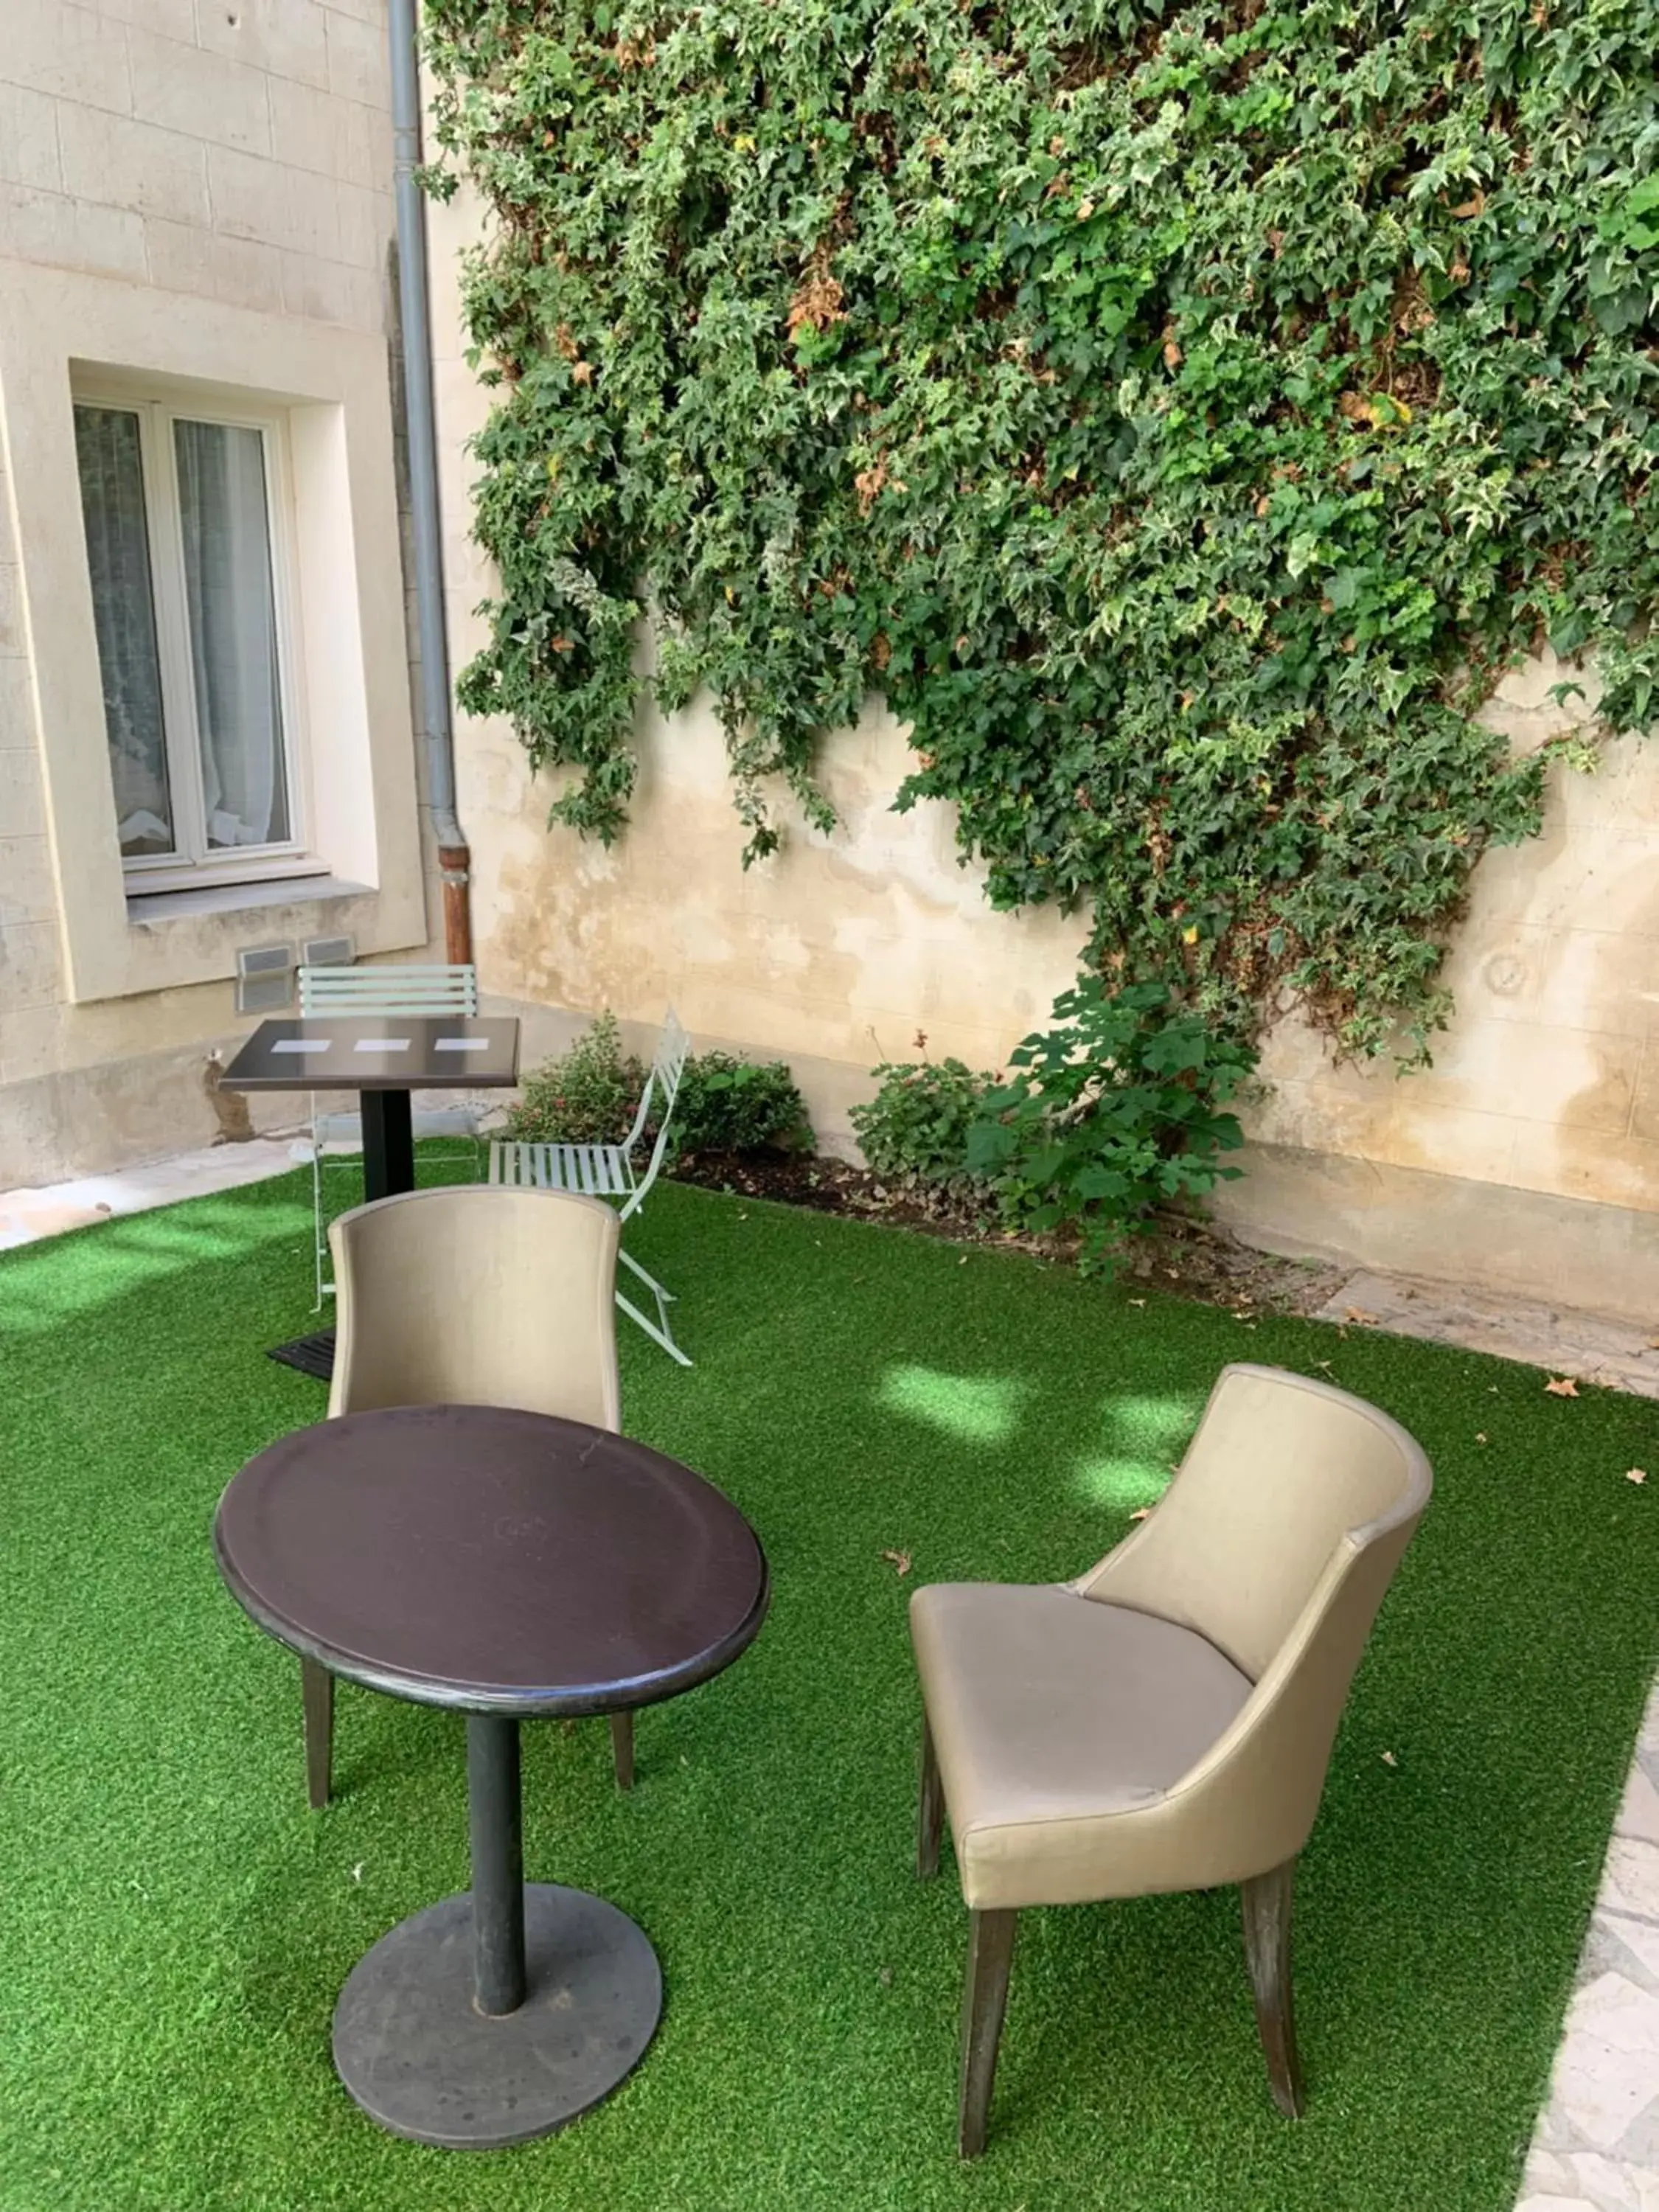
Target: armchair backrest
477,1294
1283,1477
1277,1541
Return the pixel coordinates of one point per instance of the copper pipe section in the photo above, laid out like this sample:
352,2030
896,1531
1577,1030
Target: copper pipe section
455,871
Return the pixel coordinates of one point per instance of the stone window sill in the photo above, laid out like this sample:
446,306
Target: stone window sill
234,898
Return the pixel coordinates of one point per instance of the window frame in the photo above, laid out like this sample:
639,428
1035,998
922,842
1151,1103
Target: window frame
193,864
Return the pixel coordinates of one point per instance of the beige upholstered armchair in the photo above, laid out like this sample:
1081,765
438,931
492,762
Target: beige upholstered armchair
473,1296
1165,1723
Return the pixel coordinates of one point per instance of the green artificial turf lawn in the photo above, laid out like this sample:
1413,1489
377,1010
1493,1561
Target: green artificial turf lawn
174,1924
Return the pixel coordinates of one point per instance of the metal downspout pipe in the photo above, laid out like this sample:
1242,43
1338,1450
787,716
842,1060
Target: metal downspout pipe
454,860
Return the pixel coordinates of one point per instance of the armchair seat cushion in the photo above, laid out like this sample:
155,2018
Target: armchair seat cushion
1053,1716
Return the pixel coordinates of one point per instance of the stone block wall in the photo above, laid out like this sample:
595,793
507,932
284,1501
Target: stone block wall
231,151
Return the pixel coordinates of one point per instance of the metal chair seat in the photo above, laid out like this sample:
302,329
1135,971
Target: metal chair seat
591,1170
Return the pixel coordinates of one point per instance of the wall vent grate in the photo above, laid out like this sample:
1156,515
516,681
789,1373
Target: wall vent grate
264,978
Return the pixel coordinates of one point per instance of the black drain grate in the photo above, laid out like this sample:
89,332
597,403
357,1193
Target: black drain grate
311,1355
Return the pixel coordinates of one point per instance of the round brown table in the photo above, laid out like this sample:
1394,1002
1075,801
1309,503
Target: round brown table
510,1566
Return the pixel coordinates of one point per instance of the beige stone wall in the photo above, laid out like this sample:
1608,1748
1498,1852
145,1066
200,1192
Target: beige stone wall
1528,1157
1549,1077
231,164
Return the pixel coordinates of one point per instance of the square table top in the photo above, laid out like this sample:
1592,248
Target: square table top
379,1052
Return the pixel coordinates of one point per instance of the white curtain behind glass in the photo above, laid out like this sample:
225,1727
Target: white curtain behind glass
107,448
231,606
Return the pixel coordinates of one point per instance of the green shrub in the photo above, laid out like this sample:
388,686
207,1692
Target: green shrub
914,1133
1112,1113
730,1105
588,1096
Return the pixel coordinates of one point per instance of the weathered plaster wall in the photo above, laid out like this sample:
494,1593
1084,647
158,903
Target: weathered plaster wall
1527,1157
239,154
1549,1079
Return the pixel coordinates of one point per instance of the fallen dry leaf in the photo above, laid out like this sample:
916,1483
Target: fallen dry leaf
899,1559
1480,1437
1141,1513
1562,1386
1325,1364
1636,1474
1359,1314
962,1263
1389,1759
1137,1302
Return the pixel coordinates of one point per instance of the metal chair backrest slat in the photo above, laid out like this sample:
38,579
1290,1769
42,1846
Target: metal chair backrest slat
662,1084
396,989
673,1049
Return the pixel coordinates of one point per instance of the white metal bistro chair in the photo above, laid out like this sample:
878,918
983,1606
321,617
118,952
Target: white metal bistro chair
608,1171
371,993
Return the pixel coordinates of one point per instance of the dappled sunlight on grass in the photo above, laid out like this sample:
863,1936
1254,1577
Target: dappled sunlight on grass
1123,1483
980,1409
43,1285
1149,1432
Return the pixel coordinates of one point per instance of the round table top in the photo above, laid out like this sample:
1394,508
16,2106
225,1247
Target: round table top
499,1561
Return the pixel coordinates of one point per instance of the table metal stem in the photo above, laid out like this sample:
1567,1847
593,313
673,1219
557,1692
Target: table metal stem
492,1781
388,1143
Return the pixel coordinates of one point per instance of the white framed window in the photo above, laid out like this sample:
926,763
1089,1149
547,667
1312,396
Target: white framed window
188,513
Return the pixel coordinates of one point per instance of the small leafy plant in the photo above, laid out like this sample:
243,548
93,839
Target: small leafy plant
731,1105
587,1095
914,1133
1114,1112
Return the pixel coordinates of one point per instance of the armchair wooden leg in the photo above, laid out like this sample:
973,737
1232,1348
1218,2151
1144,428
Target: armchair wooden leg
930,1813
317,1693
1267,1902
984,1998
622,1748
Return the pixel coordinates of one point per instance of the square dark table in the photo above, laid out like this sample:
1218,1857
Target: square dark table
383,1057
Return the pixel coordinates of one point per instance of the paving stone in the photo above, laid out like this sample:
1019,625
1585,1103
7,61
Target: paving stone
1594,1347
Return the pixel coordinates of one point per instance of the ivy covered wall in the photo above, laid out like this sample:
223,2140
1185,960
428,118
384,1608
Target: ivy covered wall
1183,416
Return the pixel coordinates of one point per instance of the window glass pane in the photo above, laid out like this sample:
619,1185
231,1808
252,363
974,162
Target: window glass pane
230,601
124,611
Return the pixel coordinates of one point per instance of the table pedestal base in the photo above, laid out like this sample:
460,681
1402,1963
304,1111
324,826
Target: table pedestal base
417,2054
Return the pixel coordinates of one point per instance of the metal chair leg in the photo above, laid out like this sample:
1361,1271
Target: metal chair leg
1267,1903
984,1999
317,1693
930,1811
660,1331
622,1748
